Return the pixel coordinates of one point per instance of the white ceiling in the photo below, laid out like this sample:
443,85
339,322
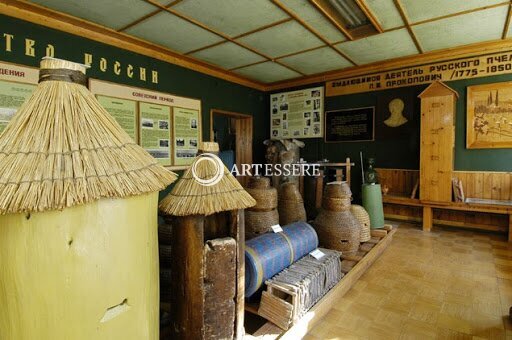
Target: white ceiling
270,41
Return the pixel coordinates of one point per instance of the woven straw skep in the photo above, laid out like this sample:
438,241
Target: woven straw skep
290,204
336,226
259,222
63,149
265,195
260,218
364,219
266,199
258,182
338,230
189,197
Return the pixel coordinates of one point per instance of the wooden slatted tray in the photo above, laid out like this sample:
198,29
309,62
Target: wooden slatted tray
363,260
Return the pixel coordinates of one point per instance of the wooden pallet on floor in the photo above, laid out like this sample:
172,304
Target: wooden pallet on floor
270,331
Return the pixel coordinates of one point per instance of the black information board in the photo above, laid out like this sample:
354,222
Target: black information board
349,125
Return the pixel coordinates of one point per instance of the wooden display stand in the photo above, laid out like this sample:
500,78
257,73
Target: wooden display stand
342,171
369,252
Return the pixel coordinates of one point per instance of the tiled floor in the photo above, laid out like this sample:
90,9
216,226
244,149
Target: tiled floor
449,284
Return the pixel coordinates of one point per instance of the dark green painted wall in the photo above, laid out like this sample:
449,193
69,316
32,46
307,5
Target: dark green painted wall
404,152
213,92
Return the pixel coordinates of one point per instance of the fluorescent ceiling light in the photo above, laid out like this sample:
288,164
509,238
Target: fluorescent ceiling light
350,12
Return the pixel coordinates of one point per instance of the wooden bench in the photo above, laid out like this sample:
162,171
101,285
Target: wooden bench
428,206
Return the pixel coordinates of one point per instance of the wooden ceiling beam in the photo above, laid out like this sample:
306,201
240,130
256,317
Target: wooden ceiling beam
147,16
220,34
451,15
330,15
244,34
312,30
398,63
507,23
369,14
405,19
280,57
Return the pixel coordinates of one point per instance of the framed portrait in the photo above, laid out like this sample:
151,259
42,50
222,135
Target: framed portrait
489,116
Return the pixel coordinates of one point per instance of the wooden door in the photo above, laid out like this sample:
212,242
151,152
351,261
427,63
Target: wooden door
243,137
243,145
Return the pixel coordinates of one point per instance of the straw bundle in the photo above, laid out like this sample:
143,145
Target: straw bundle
290,204
364,219
189,197
63,149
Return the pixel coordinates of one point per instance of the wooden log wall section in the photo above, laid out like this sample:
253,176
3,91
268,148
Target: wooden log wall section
207,290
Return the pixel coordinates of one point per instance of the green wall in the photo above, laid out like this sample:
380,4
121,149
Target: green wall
403,153
213,92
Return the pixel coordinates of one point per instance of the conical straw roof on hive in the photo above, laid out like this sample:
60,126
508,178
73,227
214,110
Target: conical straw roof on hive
63,149
190,197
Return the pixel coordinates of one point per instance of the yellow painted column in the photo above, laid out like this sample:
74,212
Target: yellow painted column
86,272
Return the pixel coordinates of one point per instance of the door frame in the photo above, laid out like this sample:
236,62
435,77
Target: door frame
243,141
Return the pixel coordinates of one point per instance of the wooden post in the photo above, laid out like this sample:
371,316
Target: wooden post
339,175
238,233
301,186
187,287
510,227
220,288
319,189
347,171
427,218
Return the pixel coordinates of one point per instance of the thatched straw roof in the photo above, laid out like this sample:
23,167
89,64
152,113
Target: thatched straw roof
189,197
63,149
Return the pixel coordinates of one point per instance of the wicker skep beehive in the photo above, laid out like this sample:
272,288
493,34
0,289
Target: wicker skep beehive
290,204
336,226
78,213
364,219
206,210
260,218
